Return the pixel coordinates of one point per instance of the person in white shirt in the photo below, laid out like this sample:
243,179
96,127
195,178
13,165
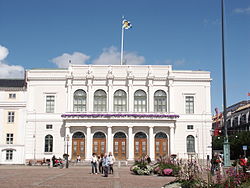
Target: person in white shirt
94,163
111,163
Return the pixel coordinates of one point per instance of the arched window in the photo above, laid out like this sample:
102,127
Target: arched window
79,100
140,135
119,135
140,101
160,101
190,144
120,101
161,135
100,101
99,135
48,147
78,135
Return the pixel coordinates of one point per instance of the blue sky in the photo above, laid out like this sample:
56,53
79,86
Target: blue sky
185,34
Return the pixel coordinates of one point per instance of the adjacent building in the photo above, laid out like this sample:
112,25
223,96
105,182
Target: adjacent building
12,121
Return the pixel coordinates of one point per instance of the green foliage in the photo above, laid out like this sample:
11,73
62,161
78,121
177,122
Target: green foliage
236,141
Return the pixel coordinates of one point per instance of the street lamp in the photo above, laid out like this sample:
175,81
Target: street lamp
67,157
226,145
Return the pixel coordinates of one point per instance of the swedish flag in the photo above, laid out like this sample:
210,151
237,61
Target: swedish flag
126,24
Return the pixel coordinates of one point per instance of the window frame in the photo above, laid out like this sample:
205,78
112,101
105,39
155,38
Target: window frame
9,155
11,117
190,144
189,109
48,143
100,101
9,138
49,106
79,104
159,99
122,99
190,129
12,95
139,99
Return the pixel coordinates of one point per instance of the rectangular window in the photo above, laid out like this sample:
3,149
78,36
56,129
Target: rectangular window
11,117
12,95
9,155
49,126
190,127
50,103
9,138
189,104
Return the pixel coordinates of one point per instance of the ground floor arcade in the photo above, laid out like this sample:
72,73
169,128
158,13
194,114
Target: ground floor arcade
125,142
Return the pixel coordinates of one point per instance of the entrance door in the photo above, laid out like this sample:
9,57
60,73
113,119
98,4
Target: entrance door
140,145
120,146
78,145
161,145
99,143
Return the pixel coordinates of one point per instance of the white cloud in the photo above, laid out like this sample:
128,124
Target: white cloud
242,10
178,62
3,52
9,71
76,58
111,56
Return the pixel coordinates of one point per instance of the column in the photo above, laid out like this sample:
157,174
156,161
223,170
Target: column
172,140
130,144
88,144
151,143
110,140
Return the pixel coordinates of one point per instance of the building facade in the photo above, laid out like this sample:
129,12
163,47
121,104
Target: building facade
128,110
12,121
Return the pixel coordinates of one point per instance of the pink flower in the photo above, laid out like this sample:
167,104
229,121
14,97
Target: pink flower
167,171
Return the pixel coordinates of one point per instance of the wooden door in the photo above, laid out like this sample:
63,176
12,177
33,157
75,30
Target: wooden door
99,146
161,147
140,147
78,148
120,148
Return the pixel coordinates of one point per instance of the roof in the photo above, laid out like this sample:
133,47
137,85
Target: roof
12,83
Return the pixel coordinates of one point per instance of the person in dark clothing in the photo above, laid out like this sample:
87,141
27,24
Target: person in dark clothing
53,160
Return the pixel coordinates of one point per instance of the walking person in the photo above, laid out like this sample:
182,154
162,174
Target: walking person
94,163
105,164
111,163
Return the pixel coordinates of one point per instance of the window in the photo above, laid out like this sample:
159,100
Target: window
140,101
48,143
50,103
190,127
12,95
9,155
79,101
49,126
189,104
100,101
11,117
190,144
160,101
9,138
120,101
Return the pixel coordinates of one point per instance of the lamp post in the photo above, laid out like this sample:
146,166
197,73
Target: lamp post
226,145
67,157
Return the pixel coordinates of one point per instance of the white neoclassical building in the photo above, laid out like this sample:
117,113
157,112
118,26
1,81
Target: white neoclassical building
128,110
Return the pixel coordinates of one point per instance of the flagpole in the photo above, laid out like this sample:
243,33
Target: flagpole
122,45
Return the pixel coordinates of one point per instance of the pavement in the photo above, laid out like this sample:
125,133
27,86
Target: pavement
74,177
